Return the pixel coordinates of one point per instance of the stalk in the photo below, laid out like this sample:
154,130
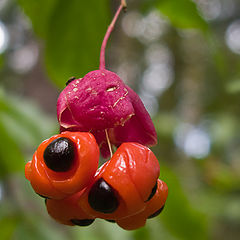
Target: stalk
108,33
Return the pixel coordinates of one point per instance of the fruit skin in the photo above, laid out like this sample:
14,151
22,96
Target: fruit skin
58,185
101,101
157,202
65,210
132,173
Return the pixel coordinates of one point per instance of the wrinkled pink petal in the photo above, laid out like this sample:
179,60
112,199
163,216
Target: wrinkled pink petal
139,128
101,101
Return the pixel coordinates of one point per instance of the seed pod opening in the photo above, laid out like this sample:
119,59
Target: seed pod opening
102,197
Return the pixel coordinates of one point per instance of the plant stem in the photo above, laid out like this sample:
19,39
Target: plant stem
109,30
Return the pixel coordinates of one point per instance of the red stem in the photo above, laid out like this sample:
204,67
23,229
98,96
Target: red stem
105,40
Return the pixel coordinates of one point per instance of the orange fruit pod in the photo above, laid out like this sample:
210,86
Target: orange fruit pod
153,208
122,185
63,164
68,212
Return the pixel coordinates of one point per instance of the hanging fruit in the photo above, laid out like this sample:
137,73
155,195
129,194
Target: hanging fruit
102,103
63,164
124,184
94,113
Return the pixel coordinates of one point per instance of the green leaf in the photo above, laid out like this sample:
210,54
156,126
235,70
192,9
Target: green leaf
182,13
11,157
180,216
74,38
233,87
39,12
7,226
37,229
141,234
73,32
24,121
23,126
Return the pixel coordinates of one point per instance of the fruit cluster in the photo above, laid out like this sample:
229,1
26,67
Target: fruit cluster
94,113
125,189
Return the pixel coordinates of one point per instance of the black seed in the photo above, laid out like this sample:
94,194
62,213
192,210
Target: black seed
153,192
110,220
82,222
59,155
70,80
102,197
157,212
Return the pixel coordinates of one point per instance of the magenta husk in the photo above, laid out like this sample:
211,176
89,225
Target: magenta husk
101,101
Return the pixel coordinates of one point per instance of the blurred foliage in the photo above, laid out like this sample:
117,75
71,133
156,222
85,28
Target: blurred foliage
40,21
180,216
204,196
182,13
65,27
21,126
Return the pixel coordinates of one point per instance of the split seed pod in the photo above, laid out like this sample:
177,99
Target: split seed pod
63,164
67,211
152,209
123,184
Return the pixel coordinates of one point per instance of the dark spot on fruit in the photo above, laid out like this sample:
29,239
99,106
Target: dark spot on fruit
59,155
42,196
82,222
156,213
70,80
110,220
153,192
102,197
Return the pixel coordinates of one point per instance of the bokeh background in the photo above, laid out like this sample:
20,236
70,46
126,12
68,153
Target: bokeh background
181,56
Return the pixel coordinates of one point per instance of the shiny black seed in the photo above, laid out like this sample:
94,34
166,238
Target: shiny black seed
102,197
157,212
70,80
110,220
59,155
82,222
153,192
